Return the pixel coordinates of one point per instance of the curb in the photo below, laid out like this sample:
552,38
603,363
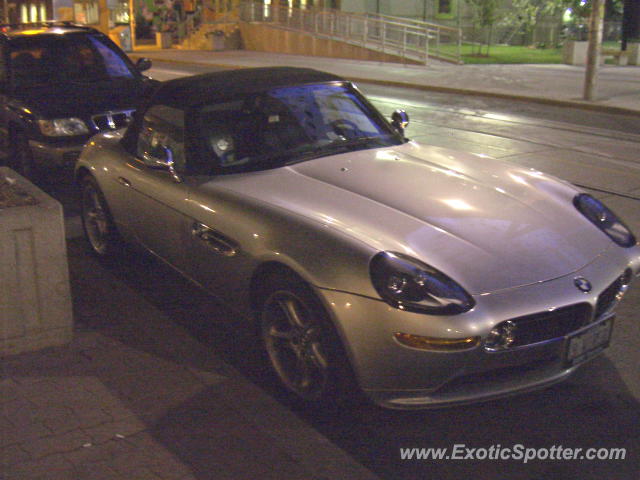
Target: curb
583,105
578,104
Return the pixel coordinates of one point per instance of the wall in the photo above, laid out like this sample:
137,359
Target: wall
356,6
548,30
406,8
264,38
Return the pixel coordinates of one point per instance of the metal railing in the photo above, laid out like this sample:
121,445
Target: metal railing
405,38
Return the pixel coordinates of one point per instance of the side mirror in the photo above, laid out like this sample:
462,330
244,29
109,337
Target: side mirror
166,163
143,64
400,120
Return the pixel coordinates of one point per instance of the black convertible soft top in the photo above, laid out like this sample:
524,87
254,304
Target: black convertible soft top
198,89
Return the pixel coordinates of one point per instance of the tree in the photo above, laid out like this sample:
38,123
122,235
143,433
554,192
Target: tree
525,14
613,9
593,52
484,15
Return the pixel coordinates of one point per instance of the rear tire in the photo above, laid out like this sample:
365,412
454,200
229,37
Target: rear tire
97,223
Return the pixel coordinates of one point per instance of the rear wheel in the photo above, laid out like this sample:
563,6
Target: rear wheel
302,346
99,229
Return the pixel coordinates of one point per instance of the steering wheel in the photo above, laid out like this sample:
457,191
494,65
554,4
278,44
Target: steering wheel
345,128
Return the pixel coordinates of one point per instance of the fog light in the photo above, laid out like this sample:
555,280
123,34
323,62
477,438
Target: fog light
439,344
501,337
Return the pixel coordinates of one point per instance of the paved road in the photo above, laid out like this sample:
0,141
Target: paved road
599,407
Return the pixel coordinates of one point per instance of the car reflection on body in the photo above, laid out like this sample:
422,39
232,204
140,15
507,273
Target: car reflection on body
417,275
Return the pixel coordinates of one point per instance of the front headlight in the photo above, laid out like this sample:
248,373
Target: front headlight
63,127
603,218
409,284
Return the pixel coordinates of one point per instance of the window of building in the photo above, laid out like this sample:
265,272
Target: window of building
446,8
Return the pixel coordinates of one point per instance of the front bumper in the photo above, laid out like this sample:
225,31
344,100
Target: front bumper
396,376
48,155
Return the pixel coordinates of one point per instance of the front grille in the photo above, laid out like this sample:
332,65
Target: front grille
112,120
547,325
609,297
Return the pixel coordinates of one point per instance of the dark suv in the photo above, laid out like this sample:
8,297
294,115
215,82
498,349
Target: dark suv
60,83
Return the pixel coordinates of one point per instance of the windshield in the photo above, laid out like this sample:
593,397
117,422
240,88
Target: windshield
289,125
41,60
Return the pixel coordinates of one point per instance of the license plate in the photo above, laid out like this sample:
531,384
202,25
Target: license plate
586,344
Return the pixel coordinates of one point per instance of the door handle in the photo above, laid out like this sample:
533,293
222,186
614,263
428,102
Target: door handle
124,181
214,240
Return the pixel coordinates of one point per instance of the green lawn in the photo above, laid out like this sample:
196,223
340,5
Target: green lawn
514,54
511,54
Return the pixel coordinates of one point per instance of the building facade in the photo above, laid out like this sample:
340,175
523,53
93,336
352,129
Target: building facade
19,11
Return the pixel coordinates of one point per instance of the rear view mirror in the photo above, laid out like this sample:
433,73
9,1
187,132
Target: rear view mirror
162,159
143,64
400,120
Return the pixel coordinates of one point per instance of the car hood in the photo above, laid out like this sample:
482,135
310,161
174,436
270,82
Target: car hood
490,225
80,98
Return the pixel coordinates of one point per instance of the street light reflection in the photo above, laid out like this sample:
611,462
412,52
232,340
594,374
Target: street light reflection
457,204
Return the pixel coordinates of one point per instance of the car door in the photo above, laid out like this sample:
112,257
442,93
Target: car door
221,225
219,231
151,200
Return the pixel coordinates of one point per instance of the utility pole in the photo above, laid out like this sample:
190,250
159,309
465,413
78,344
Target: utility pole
132,24
103,16
593,49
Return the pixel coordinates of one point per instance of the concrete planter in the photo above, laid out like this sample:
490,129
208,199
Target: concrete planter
633,53
163,40
217,40
35,298
574,52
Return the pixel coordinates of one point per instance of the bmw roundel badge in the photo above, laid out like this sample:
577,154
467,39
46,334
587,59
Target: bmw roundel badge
583,284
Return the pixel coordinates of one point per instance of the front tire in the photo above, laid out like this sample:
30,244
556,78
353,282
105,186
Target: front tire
99,228
301,343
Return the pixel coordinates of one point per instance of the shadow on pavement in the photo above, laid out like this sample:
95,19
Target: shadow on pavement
165,355
593,409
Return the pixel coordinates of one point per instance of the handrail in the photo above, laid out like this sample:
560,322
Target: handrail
405,38
414,21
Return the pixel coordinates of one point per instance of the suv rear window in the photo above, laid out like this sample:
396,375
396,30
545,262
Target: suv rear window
41,60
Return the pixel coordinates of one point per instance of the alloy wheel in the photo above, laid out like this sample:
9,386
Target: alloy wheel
296,344
95,220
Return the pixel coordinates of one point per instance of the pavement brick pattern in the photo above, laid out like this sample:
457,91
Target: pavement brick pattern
136,397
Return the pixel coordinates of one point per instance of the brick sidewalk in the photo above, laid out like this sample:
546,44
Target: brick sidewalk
137,397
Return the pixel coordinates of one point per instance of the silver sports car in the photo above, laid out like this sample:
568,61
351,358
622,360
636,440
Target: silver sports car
418,275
